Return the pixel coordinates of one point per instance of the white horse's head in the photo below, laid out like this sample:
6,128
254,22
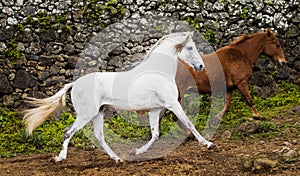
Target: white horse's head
187,52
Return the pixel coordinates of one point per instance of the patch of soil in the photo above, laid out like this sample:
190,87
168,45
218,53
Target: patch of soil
188,159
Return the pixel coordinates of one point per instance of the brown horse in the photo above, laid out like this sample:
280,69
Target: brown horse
237,60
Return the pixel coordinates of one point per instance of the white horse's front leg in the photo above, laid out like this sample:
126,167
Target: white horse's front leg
154,125
178,111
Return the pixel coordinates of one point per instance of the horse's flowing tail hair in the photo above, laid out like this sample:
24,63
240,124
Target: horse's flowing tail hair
44,108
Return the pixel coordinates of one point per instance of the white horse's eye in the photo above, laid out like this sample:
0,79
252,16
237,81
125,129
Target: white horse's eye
190,48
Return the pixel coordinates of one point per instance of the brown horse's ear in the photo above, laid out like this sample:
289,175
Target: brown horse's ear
269,32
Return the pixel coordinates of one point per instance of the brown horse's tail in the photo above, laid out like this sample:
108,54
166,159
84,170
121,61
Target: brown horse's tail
44,108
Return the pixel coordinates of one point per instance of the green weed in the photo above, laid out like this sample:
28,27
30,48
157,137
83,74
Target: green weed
244,13
12,51
265,126
46,138
93,10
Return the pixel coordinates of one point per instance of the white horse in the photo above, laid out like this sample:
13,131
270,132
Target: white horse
149,86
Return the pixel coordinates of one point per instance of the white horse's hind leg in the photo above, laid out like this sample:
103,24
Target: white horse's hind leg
178,111
154,125
98,132
69,132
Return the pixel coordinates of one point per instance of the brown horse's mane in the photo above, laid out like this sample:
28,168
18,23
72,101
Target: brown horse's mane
245,37
241,39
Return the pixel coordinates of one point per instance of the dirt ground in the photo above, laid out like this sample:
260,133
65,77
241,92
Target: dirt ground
228,158
253,154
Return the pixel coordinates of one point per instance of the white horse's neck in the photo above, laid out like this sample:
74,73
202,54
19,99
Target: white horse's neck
162,58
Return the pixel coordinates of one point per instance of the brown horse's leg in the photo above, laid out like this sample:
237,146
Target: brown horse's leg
227,105
243,87
213,122
142,118
175,119
181,125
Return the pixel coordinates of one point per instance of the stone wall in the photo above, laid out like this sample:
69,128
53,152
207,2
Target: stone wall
42,41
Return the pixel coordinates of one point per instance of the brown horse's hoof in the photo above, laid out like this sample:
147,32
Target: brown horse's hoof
259,118
190,137
213,122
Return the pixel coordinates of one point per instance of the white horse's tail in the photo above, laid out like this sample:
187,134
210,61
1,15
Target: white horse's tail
44,108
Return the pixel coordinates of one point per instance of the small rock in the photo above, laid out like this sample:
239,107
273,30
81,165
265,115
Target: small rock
2,47
296,110
41,68
12,21
226,134
8,11
286,143
284,72
23,80
5,86
288,153
248,127
264,163
11,76
8,100
260,163
20,2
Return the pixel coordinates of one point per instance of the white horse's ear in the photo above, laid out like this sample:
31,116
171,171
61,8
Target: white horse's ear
192,33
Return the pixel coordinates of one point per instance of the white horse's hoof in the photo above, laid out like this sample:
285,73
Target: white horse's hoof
210,146
55,159
117,159
139,151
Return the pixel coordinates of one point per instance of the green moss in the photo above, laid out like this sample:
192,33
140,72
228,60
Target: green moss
244,13
266,126
93,10
45,21
200,2
12,51
289,95
20,27
73,2
30,19
194,23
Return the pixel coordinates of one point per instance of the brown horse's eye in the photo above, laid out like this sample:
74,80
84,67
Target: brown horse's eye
278,45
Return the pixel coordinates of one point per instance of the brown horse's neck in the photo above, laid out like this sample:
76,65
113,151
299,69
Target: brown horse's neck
252,46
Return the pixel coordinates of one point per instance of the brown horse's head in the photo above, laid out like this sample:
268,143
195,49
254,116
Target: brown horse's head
273,48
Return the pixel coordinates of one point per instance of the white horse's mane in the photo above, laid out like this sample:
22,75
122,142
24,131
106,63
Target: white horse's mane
159,42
